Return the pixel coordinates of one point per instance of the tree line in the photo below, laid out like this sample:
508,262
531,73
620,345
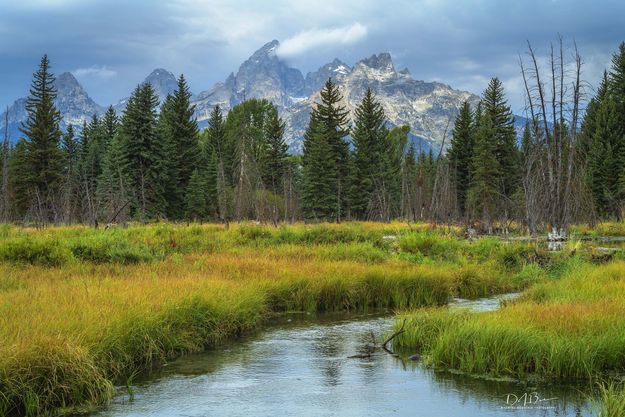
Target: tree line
153,162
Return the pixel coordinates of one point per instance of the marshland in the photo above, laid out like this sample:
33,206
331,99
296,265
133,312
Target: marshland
85,312
356,242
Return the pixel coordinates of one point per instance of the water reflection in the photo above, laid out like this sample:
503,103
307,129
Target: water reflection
302,368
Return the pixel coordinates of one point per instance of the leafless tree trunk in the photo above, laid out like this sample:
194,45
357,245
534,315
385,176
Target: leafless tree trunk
559,138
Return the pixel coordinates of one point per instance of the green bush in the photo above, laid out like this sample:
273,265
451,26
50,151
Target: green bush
35,251
104,249
429,245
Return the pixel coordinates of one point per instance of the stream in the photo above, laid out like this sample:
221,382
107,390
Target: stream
300,367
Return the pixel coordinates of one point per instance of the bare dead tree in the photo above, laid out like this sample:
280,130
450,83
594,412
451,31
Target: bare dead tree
443,202
554,130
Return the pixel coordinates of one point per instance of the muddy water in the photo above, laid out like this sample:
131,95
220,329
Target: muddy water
301,367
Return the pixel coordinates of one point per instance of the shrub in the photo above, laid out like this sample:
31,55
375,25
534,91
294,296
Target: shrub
104,249
35,251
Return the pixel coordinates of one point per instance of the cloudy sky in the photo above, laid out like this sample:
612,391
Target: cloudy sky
111,45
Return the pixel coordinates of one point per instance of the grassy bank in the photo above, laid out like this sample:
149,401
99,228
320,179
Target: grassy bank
570,327
81,309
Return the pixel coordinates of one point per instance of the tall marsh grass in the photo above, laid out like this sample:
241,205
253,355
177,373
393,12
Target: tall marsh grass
571,327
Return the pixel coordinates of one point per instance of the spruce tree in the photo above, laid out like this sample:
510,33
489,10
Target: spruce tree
143,154
71,182
19,180
113,184
276,154
604,160
110,122
589,123
371,183
319,174
323,182
179,132
217,148
5,151
93,146
617,92
617,84
494,105
397,162
461,153
484,192
196,197
44,159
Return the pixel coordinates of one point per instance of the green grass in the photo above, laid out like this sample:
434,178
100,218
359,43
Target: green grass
567,327
611,402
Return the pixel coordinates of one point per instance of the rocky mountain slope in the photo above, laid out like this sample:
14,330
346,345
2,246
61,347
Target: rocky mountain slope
163,82
72,101
427,107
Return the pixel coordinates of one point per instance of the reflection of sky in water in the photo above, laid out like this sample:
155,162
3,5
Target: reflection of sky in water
303,370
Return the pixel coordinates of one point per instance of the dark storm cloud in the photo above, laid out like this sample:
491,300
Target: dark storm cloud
112,45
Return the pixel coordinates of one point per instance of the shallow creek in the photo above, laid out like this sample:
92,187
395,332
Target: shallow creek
300,366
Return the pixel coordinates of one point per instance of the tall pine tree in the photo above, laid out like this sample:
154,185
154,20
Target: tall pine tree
461,154
179,132
326,158
43,173
484,193
495,106
143,154
71,180
371,184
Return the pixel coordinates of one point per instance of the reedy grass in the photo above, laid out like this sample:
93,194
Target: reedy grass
81,309
611,401
565,328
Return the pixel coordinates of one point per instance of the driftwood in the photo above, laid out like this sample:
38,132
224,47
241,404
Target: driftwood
393,336
383,346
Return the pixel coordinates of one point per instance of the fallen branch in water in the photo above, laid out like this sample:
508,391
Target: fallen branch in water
393,336
384,345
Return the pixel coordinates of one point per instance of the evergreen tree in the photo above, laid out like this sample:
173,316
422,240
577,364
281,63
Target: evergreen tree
617,85
110,123
502,121
617,127
319,174
196,198
461,153
71,181
276,155
143,154
5,151
589,123
217,149
400,169
112,189
323,182
486,177
44,159
179,132
19,180
604,159
93,146
246,129
371,181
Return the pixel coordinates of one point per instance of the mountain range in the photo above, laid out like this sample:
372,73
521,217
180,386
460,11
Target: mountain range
429,108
